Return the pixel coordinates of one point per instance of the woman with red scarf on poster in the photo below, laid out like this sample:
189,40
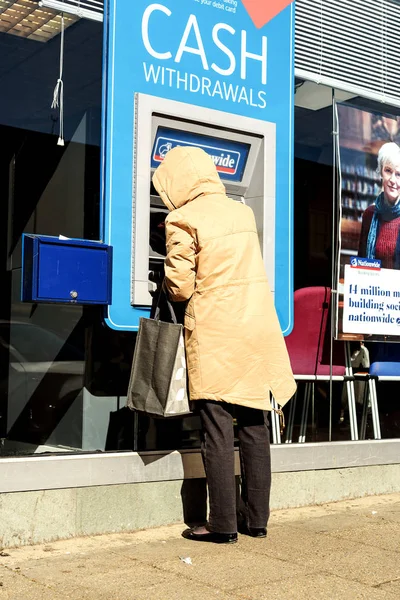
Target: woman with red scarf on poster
380,230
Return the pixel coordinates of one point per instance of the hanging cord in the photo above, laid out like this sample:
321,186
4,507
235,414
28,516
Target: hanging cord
58,95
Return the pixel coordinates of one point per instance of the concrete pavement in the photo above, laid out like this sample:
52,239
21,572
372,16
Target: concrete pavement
347,551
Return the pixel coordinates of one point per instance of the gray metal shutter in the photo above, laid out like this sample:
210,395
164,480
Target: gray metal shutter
351,45
85,9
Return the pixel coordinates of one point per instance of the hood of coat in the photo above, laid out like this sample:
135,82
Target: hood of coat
185,174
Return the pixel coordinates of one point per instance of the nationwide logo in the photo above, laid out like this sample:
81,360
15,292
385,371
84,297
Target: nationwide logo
370,264
226,161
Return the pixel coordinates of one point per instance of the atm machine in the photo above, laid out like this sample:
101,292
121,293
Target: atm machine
243,150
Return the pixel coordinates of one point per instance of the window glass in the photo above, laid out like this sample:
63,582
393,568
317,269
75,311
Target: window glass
63,373
48,189
321,410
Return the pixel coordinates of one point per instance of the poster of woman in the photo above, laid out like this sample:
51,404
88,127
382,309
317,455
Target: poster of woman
369,252
380,229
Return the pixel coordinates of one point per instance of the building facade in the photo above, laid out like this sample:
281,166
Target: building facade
68,442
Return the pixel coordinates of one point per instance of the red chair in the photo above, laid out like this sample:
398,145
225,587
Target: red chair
304,343
309,350
337,353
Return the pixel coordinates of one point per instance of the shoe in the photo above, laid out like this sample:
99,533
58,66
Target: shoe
256,532
211,536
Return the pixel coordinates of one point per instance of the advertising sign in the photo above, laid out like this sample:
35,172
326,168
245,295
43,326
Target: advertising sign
372,299
369,257
233,56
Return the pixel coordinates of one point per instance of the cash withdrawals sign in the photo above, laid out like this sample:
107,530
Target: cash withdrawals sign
235,56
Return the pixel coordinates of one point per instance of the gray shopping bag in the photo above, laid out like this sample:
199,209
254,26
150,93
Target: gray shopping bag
158,382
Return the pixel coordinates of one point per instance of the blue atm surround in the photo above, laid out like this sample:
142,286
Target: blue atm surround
65,271
214,56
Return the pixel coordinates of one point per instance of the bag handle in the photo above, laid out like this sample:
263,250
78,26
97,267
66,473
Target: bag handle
157,312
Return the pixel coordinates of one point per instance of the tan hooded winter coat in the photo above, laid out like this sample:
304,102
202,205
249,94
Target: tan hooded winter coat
235,349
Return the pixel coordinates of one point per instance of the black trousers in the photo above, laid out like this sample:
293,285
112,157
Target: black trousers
219,464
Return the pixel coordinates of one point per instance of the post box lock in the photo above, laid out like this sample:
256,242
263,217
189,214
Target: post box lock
73,294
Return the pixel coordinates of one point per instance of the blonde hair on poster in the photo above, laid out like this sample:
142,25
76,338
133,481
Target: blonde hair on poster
389,154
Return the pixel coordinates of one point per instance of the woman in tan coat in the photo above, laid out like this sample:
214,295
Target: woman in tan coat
236,354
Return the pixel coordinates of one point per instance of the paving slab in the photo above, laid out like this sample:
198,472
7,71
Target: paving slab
391,587
353,560
389,512
15,586
295,545
99,576
316,587
335,520
348,550
357,506
380,533
159,552
233,569
180,590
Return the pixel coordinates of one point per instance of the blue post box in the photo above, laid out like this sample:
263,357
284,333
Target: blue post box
65,270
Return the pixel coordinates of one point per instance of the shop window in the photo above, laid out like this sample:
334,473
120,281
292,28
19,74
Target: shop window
318,227
63,373
53,190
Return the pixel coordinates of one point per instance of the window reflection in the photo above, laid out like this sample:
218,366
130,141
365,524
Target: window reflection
53,190
63,374
314,223
45,378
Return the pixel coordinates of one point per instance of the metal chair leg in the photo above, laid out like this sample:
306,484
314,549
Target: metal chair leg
374,409
352,410
290,423
304,414
364,418
351,400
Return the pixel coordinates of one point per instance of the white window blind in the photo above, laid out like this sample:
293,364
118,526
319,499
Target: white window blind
85,9
352,45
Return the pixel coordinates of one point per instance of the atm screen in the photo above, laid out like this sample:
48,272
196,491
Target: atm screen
230,157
